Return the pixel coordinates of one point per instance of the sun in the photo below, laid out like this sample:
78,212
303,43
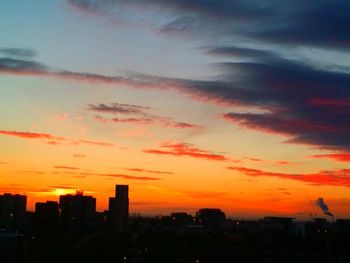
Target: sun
60,191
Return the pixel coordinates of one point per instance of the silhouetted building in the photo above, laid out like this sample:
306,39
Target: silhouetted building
210,217
342,225
181,218
77,212
47,219
119,208
12,210
318,227
278,224
8,246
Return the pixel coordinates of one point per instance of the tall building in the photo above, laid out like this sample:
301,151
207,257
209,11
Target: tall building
47,219
12,210
119,208
77,212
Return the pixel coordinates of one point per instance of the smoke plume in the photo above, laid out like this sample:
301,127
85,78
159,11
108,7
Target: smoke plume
324,207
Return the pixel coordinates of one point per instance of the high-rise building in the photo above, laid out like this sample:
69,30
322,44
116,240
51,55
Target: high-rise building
119,208
12,210
77,212
47,219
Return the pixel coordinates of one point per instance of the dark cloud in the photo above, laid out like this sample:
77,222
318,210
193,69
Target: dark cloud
239,52
19,66
323,23
308,105
140,115
18,52
119,108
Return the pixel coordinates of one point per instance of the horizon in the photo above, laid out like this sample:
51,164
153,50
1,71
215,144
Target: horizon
240,105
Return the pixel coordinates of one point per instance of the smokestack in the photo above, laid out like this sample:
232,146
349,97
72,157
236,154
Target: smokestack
324,207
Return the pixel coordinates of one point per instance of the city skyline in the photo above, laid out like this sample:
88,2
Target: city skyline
242,105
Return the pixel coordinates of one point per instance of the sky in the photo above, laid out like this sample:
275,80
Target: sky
241,105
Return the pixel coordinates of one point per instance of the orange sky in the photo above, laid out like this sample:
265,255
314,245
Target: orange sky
100,97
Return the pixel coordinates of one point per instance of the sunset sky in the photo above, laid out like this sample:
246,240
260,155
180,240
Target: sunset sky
241,105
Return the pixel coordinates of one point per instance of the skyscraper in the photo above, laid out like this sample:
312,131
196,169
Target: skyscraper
119,208
12,210
77,212
47,219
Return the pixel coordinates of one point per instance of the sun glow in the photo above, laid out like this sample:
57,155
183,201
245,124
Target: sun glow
60,191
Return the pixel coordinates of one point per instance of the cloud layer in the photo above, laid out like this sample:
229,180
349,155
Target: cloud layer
306,101
336,178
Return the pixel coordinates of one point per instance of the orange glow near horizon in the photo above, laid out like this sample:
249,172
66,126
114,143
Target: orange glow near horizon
187,112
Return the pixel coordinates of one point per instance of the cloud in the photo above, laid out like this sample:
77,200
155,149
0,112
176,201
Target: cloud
304,103
140,116
66,167
18,52
339,177
62,117
63,186
119,108
340,157
253,159
52,139
283,162
239,52
165,122
147,171
308,102
21,67
285,23
142,121
79,155
185,149
83,175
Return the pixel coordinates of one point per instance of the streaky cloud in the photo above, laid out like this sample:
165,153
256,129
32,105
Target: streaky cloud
185,149
339,177
83,175
52,139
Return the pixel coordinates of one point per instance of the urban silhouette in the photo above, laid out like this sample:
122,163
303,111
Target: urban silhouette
71,230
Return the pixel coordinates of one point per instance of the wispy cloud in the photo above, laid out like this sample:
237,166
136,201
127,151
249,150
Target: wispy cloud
66,167
140,115
269,83
119,108
52,139
141,170
18,52
336,178
185,149
340,157
79,155
108,175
